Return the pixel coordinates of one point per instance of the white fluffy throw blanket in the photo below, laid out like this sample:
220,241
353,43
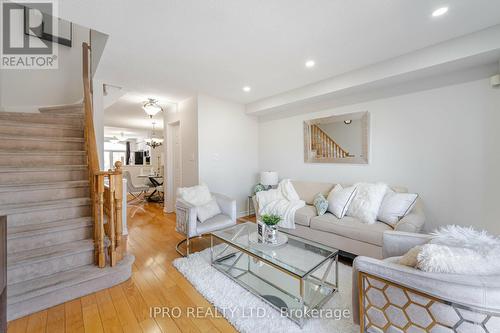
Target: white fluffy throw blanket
283,201
460,250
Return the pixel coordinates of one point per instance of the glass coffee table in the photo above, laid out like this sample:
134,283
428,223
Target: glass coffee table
295,278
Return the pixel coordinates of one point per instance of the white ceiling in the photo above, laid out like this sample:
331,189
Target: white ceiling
175,48
128,133
127,112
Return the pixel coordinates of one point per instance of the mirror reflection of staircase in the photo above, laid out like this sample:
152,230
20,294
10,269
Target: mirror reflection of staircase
323,146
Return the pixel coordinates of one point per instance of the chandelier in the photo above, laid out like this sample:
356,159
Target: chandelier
154,142
151,107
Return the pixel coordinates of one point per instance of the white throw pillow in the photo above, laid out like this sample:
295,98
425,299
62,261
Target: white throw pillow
438,258
208,210
339,200
467,237
395,206
195,195
410,259
367,201
457,250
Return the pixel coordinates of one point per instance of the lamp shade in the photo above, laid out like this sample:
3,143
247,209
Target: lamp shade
269,178
151,107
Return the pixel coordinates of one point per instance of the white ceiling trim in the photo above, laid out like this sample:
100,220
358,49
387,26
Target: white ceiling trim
476,49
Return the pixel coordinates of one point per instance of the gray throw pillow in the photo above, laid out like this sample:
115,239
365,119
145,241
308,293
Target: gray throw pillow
208,210
320,203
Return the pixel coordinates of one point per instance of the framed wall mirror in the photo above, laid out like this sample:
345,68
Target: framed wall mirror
338,139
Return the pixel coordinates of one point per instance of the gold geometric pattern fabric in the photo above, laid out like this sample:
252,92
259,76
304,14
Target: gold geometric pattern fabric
389,308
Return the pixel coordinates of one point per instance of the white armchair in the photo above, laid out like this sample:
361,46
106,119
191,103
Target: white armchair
388,297
187,222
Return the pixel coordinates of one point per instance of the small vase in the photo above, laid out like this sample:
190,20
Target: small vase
271,234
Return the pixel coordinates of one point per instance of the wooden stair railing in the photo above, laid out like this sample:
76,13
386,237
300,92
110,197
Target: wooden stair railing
324,145
105,186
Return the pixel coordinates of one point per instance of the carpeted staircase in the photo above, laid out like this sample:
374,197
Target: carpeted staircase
44,191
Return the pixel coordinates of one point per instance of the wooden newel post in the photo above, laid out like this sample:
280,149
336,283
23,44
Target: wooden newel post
120,247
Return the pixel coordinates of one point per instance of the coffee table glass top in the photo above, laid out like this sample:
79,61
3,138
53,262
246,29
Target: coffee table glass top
298,256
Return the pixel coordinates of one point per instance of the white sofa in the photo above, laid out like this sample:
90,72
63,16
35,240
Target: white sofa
347,234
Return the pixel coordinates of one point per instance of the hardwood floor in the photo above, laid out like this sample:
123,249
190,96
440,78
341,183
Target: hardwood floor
126,307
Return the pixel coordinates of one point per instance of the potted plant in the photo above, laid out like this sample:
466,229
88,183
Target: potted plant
271,232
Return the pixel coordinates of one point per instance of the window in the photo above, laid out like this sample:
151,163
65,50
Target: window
115,146
113,152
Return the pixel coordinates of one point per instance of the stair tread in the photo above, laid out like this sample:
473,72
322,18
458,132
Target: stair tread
43,186
39,115
45,253
61,107
46,227
44,168
45,203
41,138
6,122
41,205
26,290
43,152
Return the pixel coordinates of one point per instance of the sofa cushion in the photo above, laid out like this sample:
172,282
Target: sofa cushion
351,227
304,215
218,222
307,190
208,210
339,200
320,203
395,206
367,201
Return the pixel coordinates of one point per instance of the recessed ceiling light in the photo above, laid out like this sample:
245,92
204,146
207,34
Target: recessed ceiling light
247,88
440,11
310,63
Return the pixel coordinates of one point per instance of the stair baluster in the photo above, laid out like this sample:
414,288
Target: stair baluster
99,222
120,246
324,146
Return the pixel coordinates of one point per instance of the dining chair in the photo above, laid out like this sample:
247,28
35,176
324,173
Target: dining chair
136,191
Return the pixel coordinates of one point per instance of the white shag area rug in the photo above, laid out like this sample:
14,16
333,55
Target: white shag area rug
239,306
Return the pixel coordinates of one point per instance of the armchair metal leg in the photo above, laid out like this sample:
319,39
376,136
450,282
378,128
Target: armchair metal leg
187,240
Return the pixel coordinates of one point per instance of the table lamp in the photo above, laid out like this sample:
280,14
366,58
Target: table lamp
269,179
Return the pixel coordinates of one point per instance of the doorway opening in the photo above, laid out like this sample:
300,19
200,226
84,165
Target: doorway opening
173,165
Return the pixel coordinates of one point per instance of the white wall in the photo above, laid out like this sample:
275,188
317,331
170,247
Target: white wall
187,113
1,89
99,41
443,144
27,90
228,158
